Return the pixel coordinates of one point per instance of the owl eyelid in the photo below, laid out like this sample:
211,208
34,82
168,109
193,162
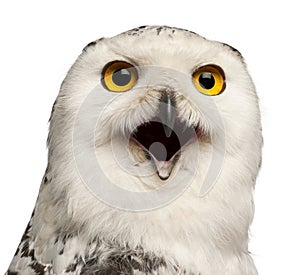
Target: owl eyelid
198,67
109,63
131,61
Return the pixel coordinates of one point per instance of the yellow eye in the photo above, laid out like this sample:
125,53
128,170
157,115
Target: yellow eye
119,76
209,80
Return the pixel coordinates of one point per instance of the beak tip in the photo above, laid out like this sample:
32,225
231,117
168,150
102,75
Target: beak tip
168,131
163,178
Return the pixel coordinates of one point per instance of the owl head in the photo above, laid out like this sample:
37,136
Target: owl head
156,119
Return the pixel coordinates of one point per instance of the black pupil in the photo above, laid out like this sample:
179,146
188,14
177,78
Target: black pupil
207,80
121,77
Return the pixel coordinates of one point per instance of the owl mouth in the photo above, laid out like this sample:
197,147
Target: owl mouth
163,137
163,145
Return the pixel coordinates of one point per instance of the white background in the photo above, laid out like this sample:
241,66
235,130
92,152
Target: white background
39,42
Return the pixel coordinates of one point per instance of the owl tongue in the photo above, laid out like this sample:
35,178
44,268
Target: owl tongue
152,137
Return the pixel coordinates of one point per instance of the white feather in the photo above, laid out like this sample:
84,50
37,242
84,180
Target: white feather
202,234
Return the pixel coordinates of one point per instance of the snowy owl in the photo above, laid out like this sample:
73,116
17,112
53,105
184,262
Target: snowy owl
154,149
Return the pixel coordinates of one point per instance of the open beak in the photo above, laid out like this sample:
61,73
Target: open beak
163,136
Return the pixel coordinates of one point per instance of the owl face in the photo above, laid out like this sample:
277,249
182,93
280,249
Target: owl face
164,104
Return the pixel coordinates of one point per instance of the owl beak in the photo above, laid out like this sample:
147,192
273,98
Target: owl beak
164,168
163,136
167,113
